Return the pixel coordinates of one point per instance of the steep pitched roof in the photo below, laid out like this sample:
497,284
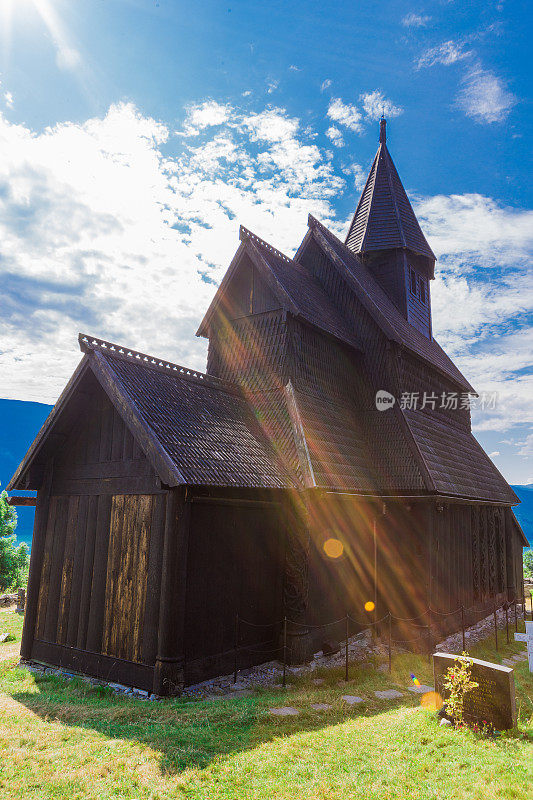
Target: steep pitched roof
384,218
296,290
455,461
193,428
380,307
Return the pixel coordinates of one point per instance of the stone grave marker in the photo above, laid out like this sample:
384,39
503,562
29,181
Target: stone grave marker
493,702
21,601
527,637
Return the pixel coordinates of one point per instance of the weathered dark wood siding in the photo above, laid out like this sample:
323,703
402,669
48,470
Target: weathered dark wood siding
100,576
235,566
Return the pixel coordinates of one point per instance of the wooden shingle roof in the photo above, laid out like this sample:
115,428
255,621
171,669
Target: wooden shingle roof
455,461
296,291
206,426
384,218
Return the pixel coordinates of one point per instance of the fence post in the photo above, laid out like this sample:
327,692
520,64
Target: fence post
495,628
463,626
235,647
346,648
390,642
284,651
506,607
531,604
524,600
429,643
515,616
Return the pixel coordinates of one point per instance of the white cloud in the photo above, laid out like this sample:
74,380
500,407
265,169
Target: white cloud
375,104
295,68
103,232
205,115
447,53
482,298
335,136
494,454
359,175
272,87
8,97
325,85
345,114
413,20
526,447
484,96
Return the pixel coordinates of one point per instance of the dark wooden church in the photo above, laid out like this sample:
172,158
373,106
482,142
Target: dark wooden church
276,484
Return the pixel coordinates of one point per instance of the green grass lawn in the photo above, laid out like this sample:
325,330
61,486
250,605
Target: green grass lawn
67,739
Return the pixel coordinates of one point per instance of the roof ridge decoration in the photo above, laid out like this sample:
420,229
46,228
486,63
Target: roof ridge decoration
384,218
89,343
244,234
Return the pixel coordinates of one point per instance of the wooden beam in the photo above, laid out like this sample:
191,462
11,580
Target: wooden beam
22,501
169,675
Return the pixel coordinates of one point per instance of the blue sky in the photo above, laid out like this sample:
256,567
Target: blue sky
136,136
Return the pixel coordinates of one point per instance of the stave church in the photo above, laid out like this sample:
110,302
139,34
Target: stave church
323,464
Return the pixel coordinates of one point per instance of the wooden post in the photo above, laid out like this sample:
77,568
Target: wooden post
284,651
463,626
390,642
169,674
506,606
429,643
346,648
236,648
515,616
495,628
36,561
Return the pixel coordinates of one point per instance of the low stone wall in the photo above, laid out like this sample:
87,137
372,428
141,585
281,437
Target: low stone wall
8,600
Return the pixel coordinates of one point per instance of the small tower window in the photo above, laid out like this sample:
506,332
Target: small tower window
422,287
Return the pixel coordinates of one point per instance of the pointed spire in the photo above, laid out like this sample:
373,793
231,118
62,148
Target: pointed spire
383,130
384,219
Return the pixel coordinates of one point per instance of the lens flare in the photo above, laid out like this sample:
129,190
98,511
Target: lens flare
415,680
432,701
369,605
333,548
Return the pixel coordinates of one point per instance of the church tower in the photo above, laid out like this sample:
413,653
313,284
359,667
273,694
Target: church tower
386,235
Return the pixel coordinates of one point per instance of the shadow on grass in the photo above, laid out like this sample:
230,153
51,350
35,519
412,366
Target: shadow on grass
191,733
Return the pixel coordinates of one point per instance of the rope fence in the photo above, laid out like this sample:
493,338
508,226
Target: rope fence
387,621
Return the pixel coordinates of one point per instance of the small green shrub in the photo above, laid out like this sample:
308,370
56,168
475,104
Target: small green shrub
458,682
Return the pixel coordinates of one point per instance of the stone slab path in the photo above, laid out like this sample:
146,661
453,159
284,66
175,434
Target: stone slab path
388,694
285,711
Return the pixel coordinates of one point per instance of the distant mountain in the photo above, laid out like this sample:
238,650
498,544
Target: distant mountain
20,421
524,512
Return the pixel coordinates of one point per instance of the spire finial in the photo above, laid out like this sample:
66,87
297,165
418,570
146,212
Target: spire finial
383,129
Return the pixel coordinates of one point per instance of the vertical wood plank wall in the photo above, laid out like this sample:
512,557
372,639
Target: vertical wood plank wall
100,576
